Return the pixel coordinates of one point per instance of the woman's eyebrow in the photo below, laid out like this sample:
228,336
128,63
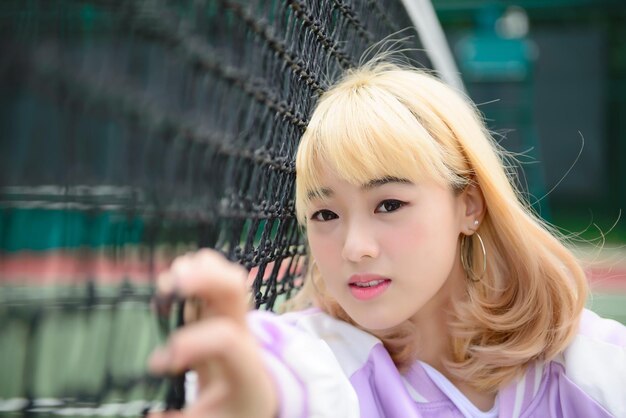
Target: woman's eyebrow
323,192
384,180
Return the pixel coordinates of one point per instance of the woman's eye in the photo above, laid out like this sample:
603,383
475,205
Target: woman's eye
390,205
323,215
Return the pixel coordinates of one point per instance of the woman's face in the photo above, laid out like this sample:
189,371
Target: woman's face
387,250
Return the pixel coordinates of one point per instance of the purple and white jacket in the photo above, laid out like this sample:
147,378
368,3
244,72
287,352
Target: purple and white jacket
326,368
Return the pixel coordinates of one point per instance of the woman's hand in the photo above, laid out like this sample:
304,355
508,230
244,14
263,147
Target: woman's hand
232,379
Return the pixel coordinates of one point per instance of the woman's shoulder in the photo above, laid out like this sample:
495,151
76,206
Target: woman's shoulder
315,322
597,328
595,361
587,379
599,340
296,357
351,346
599,345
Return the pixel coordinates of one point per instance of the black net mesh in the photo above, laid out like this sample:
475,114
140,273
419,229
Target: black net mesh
133,132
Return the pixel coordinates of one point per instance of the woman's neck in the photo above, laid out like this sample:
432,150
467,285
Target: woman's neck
432,322
433,338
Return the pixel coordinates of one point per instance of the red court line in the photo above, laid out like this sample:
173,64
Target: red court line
67,268
607,279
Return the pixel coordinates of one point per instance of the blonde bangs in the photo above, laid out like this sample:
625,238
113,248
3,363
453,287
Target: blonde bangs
360,133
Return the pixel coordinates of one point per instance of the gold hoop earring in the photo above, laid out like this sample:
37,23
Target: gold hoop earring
466,260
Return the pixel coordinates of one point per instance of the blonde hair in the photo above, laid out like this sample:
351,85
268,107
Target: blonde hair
385,120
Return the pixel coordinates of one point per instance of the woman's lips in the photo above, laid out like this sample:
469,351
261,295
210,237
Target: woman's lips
367,286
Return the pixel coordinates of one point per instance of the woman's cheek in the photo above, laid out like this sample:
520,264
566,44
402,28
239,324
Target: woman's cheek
406,238
322,247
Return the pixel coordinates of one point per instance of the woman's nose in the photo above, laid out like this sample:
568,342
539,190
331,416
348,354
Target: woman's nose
360,242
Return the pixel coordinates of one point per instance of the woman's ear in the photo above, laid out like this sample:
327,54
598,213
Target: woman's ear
473,206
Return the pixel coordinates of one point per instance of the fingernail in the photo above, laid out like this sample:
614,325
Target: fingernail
159,360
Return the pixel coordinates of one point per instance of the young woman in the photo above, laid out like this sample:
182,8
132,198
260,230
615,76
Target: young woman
434,291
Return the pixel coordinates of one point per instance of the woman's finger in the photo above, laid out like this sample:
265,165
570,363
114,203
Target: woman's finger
198,345
211,278
211,284
218,345
232,379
